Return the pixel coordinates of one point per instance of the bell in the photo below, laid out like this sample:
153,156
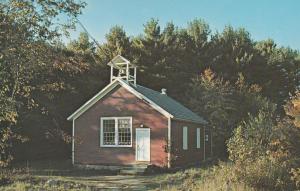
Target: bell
122,72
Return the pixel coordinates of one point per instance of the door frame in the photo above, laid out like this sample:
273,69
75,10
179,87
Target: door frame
136,135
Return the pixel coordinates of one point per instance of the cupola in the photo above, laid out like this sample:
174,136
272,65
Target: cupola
121,68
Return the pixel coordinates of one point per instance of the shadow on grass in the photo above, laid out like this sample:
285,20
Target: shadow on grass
56,168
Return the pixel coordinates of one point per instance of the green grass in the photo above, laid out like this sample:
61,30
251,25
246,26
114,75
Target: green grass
211,178
55,176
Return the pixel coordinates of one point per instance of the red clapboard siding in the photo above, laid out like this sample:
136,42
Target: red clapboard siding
118,103
192,155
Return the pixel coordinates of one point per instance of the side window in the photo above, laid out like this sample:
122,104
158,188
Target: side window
185,138
198,138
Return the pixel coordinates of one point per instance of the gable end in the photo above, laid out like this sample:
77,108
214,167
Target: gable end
108,89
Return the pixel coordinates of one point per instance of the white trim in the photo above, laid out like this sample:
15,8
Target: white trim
143,129
73,141
118,56
211,149
93,100
198,138
191,121
127,71
134,76
141,96
204,143
169,142
111,73
106,90
116,131
185,136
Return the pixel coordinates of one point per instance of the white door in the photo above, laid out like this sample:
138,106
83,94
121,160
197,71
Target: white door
143,144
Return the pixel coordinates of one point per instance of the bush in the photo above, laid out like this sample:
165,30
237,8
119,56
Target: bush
256,162
7,176
296,177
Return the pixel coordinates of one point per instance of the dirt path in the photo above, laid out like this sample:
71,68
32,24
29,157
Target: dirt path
126,182
122,182
115,182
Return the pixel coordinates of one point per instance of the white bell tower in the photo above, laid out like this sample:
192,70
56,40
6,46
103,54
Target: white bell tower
121,68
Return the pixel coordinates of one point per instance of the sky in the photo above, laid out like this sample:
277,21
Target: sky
275,19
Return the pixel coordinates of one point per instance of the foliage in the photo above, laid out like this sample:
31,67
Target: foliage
292,109
225,104
28,28
43,80
266,152
217,177
251,139
82,45
286,139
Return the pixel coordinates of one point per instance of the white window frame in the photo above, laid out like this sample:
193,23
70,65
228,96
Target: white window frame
116,131
185,133
198,138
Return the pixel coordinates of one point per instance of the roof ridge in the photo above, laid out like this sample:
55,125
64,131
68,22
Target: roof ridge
169,100
166,96
162,103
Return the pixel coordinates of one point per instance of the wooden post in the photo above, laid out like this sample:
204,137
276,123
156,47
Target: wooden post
127,72
134,75
111,73
73,142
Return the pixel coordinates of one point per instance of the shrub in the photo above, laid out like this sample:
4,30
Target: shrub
296,177
256,162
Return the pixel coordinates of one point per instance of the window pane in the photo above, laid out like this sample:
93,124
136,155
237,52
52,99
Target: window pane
198,138
124,132
109,132
185,138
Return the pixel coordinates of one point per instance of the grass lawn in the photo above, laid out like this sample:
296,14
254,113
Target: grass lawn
49,175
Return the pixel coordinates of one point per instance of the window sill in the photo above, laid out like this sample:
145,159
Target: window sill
116,146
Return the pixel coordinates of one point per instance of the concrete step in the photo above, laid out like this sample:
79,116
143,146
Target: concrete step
130,172
133,170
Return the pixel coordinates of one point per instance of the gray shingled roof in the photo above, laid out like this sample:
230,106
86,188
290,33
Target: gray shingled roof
169,104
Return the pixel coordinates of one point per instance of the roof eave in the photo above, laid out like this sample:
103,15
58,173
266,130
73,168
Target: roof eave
90,101
192,121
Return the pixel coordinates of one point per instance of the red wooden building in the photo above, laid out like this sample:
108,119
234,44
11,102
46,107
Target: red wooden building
128,124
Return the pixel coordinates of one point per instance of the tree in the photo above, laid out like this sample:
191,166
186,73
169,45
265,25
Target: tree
199,31
292,109
249,149
27,30
211,97
82,45
224,104
251,138
266,152
276,70
167,55
286,138
117,44
230,52
147,51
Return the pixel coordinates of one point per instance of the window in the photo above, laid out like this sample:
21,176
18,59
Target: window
124,132
198,138
116,132
185,138
109,131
